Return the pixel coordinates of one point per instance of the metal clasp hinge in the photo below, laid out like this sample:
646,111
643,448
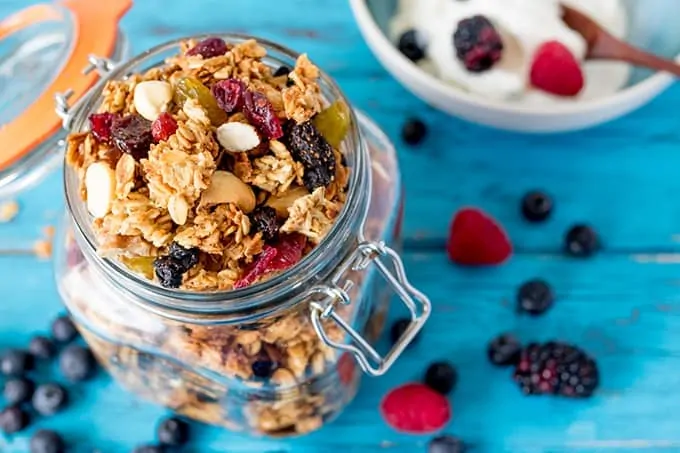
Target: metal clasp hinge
323,308
66,112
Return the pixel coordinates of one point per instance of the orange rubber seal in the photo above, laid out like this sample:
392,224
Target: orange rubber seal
95,31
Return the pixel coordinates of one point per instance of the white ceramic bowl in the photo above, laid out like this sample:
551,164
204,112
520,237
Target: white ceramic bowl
651,26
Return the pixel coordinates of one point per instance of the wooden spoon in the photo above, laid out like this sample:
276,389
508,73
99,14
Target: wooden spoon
602,45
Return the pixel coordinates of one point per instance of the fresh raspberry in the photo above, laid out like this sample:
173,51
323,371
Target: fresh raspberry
229,94
260,113
100,125
476,239
556,70
164,127
278,257
415,409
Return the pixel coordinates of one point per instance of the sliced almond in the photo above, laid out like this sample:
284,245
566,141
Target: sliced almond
282,202
237,137
226,187
178,209
151,98
100,184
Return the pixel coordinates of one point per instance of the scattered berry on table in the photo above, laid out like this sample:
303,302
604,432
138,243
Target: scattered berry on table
504,350
187,258
169,271
556,369
260,112
413,131
476,239
18,390
100,125
77,363
397,331
46,441
310,148
229,94
264,368
15,362
478,44
446,444
149,449
581,241
13,419
173,432
41,347
282,71
132,135
48,399
416,409
441,377
163,127
285,253
263,219
555,70
536,206
410,44
63,329
535,297
209,48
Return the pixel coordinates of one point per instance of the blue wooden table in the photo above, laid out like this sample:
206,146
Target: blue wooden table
623,306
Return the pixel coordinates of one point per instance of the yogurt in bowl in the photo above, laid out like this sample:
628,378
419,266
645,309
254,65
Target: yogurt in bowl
489,47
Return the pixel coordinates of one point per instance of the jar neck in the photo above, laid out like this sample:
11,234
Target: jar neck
262,299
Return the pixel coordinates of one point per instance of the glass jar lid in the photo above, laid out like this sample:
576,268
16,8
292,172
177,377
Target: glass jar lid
42,50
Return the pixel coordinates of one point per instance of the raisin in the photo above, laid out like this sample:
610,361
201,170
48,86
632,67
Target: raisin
333,123
132,135
169,271
100,125
187,258
140,264
309,147
260,113
164,127
229,94
191,88
263,219
209,48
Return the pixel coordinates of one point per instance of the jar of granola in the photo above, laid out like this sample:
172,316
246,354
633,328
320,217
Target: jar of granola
229,250
43,51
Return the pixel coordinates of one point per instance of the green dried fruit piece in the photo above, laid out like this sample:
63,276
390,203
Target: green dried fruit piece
142,265
191,88
333,123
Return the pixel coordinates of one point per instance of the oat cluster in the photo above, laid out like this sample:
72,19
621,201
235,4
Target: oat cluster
196,171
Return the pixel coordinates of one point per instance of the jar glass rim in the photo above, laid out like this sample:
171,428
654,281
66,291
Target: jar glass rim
354,209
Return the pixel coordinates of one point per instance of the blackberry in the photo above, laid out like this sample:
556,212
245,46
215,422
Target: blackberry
41,347
263,219
18,390
16,362
478,44
13,419
187,258
173,432
132,135
169,271
77,363
581,241
310,148
441,377
410,45
63,329
535,297
556,368
45,441
48,399
398,329
536,206
446,444
504,350
413,132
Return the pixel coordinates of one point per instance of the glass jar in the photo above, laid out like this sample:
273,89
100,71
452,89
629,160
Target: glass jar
276,358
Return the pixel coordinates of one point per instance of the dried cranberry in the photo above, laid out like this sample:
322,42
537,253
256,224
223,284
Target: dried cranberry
258,268
260,113
282,255
132,135
100,125
164,127
209,47
229,94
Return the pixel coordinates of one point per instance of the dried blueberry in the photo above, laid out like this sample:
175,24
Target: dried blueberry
63,329
410,45
229,94
41,347
264,368
132,135
414,131
209,48
173,432
263,219
169,271
260,112
446,444
77,363
187,258
310,148
18,390
441,377
13,419
48,399
15,362
46,441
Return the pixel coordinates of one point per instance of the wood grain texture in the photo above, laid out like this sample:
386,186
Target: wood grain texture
623,306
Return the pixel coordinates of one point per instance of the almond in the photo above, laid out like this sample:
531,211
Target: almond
151,98
100,184
226,187
237,137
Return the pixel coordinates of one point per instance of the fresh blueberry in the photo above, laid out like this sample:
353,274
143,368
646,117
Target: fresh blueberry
63,330
48,399
149,449
504,350
446,444
413,131
77,363
41,347
13,419
46,441
398,329
15,362
535,297
173,432
410,45
536,206
18,390
441,377
581,241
